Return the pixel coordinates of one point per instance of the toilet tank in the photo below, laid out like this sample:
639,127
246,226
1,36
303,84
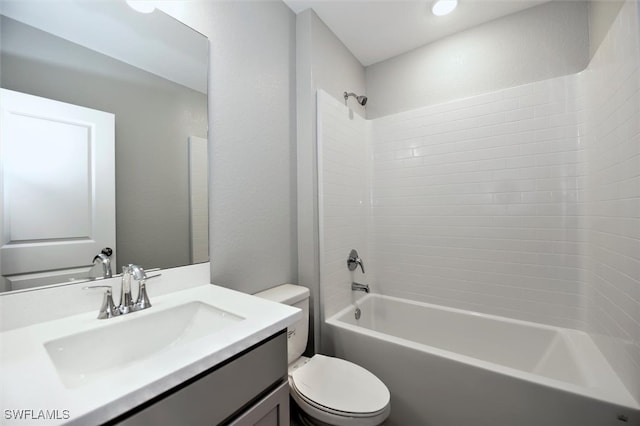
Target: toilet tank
296,296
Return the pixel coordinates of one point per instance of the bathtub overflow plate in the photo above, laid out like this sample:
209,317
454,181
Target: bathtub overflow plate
358,313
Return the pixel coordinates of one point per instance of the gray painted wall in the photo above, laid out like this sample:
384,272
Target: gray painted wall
264,231
154,118
253,238
546,41
323,62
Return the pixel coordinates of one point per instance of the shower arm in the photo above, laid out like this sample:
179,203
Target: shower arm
362,100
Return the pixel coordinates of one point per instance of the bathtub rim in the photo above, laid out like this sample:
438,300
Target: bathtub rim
613,393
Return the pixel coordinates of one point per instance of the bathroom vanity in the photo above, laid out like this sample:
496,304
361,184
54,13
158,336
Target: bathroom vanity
201,355
248,389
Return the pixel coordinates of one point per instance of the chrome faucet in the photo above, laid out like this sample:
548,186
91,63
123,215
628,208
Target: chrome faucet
110,310
360,287
126,301
142,302
104,257
353,261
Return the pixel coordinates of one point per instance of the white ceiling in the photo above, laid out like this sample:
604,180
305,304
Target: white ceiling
154,42
375,30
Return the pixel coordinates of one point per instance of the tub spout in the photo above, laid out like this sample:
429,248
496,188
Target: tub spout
360,287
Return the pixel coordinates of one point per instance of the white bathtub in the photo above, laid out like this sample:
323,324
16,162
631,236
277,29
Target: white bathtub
449,367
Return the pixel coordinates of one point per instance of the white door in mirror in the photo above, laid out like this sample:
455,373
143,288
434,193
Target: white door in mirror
57,186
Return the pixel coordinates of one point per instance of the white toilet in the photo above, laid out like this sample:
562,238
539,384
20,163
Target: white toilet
329,391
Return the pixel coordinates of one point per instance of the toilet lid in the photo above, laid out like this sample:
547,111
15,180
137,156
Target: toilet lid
340,385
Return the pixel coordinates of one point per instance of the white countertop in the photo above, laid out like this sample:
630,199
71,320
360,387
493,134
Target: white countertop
29,380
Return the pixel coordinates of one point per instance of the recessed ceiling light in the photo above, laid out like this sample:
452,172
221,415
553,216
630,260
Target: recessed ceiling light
444,7
142,6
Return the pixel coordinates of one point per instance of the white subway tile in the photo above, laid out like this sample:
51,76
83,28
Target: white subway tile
612,107
524,202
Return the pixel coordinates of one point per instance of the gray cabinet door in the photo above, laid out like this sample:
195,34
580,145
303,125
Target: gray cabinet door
272,410
222,393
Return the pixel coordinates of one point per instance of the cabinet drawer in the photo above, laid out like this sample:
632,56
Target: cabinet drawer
272,410
219,393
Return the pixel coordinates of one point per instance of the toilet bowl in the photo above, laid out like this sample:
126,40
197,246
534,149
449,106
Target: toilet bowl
327,390
336,392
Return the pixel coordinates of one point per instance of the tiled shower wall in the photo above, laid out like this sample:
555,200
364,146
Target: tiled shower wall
477,204
523,202
611,85
344,199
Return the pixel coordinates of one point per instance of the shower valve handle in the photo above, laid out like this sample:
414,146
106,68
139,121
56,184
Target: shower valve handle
354,261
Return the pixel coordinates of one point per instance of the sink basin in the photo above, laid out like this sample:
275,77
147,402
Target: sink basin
84,357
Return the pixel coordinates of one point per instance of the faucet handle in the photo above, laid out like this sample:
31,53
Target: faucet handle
143,299
354,261
108,309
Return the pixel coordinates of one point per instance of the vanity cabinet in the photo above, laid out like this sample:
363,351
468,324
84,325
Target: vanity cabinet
272,410
249,389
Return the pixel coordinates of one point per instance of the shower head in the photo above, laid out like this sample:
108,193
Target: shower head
362,100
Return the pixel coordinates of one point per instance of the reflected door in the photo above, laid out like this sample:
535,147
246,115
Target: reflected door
199,199
57,188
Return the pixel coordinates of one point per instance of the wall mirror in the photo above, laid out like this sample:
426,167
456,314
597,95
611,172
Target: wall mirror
146,70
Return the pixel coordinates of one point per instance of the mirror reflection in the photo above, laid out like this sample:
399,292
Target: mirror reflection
146,71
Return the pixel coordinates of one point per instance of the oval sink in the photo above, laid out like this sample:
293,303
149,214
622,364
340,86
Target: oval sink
84,357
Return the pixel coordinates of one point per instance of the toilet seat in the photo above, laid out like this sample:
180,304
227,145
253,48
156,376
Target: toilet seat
329,410
339,389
